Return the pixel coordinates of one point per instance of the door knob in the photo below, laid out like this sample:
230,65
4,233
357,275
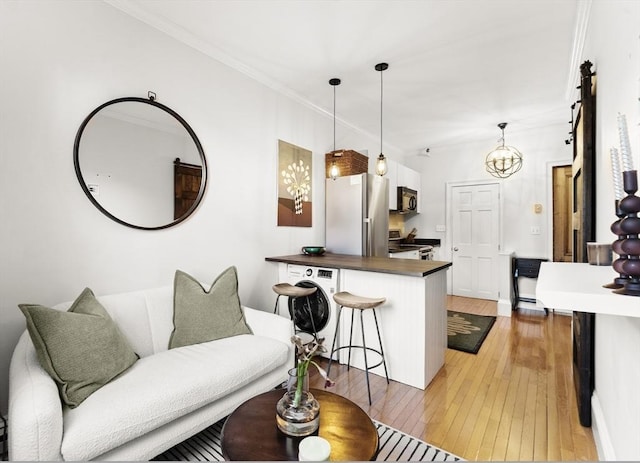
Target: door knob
455,249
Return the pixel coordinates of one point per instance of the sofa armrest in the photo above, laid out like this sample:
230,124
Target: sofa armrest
35,409
272,326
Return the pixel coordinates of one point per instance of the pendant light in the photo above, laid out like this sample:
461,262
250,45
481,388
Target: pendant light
381,162
334,172
503,161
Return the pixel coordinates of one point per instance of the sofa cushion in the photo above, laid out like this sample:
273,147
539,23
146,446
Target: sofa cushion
202,316
163,387
82,349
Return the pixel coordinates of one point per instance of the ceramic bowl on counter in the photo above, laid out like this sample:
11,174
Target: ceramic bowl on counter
313,250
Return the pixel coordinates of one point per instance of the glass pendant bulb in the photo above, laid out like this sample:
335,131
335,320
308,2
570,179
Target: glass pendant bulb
334,172
381,165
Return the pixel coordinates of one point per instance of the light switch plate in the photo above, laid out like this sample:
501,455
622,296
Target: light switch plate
441,228
535,230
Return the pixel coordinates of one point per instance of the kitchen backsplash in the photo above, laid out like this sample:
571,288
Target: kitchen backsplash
396,222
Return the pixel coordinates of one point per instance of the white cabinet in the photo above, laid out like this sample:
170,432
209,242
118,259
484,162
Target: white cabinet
400,175
415,254
409,178
392,175
413,323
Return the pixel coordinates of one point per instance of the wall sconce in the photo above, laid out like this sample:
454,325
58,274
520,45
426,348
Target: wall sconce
503,161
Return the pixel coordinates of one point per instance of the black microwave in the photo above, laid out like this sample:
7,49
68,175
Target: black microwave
407,200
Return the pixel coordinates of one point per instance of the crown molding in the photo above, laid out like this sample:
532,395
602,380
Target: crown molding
186,37
579,38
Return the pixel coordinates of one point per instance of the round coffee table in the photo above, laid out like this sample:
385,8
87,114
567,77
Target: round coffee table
251,434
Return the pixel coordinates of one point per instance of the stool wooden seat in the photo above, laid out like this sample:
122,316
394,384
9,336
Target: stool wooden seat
292,292
357,302
361,303
285,289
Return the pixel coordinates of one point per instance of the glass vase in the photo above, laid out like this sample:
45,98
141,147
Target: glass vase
302,418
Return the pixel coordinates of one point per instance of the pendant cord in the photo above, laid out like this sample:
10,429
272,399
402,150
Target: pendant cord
381,95
334,120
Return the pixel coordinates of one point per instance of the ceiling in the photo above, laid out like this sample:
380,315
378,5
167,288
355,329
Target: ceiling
456,67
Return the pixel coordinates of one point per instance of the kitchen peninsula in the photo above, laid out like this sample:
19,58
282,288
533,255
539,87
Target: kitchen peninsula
413,320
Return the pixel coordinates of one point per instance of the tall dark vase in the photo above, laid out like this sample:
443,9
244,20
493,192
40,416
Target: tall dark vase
629,247
619,281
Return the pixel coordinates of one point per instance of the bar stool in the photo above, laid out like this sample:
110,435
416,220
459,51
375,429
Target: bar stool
346,299
292,292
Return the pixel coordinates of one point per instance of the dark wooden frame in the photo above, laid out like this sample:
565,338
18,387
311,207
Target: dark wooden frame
192,134
584,165
183,200
584,230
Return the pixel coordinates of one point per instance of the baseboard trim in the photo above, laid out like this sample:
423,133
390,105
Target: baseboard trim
504,308
601,435
568,313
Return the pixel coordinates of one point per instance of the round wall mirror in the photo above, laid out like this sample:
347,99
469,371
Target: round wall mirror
140,163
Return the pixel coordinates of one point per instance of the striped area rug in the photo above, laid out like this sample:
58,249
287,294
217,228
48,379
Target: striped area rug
394,446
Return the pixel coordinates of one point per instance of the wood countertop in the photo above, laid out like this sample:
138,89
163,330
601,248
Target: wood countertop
408,267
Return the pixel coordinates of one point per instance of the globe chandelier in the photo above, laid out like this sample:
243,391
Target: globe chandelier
504,160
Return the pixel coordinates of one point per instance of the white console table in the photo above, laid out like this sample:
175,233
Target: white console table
614,405
573,286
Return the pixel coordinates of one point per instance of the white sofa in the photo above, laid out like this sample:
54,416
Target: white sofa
164,398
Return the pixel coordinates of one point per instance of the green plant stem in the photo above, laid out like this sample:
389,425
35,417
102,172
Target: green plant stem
301,372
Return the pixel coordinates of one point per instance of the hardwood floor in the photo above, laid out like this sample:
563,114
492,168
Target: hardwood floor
514,400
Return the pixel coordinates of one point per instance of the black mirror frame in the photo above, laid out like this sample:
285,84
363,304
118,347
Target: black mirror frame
194,137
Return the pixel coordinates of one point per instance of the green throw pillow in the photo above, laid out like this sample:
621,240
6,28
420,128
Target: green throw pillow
201,316
82,349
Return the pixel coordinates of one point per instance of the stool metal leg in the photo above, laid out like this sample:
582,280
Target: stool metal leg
292,301
364,347
333,345
364,351
313,325
293,320
275,308
350,339
381,350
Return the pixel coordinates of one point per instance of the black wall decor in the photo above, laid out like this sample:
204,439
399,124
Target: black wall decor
584,226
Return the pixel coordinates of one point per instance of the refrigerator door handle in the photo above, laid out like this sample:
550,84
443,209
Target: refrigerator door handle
368,227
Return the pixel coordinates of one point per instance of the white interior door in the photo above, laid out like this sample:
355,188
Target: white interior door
475,240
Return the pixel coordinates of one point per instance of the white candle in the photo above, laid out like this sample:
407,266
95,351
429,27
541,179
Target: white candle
625,148
617,175
314,448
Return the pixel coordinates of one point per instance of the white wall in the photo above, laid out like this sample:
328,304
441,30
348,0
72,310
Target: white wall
613,46
520,191
62,59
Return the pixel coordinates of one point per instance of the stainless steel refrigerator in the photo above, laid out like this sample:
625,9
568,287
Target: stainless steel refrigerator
357,215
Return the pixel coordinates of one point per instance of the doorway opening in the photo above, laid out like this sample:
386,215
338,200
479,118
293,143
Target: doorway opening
562,213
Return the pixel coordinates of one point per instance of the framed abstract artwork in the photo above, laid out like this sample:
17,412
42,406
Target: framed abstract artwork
294,185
